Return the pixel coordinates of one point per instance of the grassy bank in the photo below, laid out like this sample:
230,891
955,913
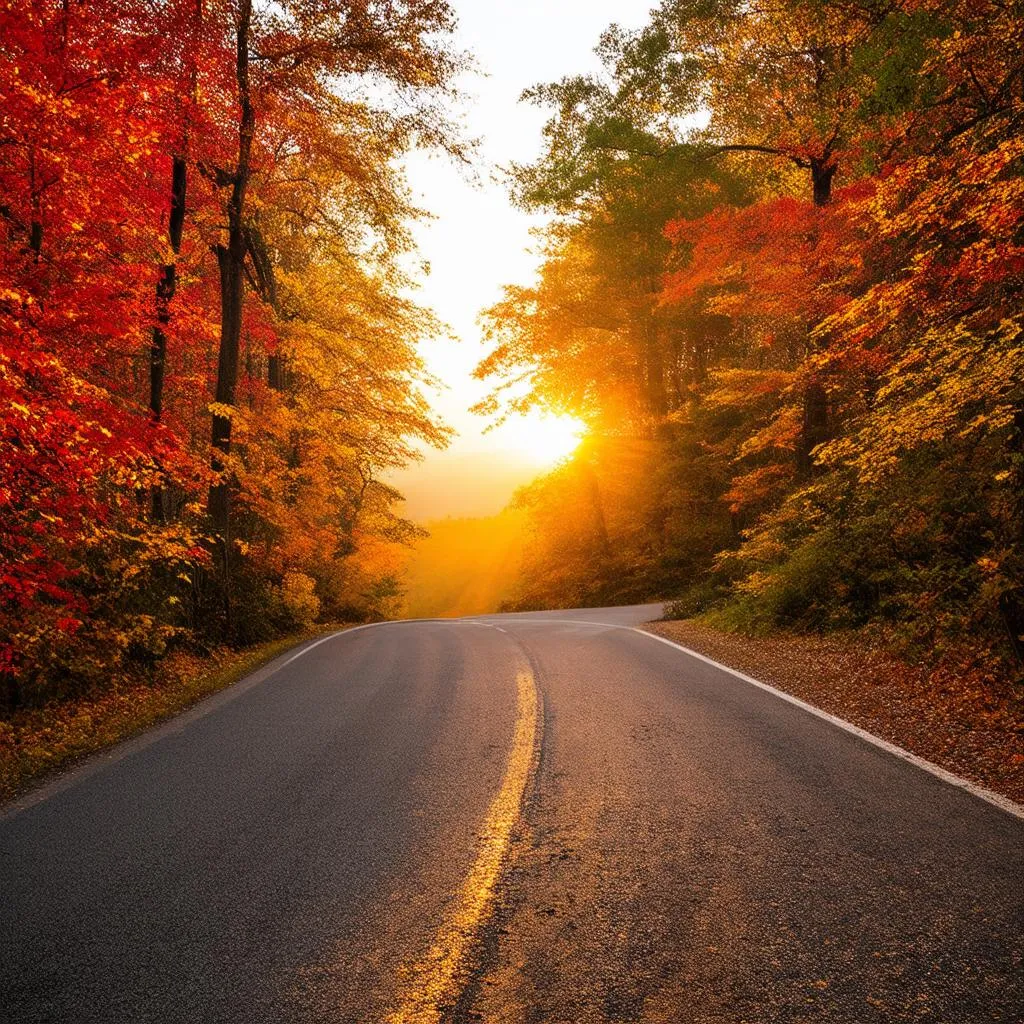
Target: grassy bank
38,742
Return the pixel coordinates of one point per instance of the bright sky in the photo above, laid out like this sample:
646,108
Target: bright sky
479,241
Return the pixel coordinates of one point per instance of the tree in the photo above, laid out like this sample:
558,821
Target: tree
138,146
851,258
286,60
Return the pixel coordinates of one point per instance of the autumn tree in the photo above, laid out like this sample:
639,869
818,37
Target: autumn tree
593,336
286,59
856,415
204,201
80,222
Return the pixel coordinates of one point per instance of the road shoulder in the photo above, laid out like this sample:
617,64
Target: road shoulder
40,744
977,734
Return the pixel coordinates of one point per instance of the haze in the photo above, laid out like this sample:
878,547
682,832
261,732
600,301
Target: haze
478,241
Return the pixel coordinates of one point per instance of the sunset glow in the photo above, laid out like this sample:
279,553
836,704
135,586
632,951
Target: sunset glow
541,438
458,397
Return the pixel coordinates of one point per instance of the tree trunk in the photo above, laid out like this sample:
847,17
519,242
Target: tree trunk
275,372
822,173
165,289
231,264
12,691
35,238
232,284
656,400
676,373
701,343
168,283
815,424
1011,602
814,429
596,508
35,232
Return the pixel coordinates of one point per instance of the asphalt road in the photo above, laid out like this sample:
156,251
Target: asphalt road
522,818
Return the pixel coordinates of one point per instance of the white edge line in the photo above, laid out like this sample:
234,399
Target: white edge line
316,643
1004,803
370,625
144,739
998,800
176,723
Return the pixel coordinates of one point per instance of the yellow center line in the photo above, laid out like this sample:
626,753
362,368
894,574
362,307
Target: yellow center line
437,980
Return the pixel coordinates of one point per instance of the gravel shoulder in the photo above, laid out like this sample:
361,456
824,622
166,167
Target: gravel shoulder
967,725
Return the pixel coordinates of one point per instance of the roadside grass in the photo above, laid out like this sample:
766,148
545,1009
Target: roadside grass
38,742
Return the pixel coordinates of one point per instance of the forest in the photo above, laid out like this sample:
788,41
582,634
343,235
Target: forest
208,353
780,286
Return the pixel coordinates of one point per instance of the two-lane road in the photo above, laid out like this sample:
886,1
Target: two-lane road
522,818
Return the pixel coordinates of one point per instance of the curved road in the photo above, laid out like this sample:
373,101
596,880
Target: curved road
519,818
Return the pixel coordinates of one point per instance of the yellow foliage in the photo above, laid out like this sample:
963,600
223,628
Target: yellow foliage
297,594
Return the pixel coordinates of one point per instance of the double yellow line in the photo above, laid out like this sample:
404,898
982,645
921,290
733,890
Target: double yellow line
438,979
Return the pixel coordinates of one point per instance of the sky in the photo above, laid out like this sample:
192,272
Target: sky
478,241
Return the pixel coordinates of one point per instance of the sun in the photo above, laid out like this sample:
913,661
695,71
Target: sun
541,438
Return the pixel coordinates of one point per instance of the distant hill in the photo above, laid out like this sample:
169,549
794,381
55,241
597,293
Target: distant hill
462,484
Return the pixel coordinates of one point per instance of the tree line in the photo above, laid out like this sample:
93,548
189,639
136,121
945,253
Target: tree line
782,285
207,349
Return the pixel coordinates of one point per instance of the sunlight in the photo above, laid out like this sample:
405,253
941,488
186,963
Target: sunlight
541,438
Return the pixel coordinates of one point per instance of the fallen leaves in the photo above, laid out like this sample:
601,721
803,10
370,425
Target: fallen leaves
954,714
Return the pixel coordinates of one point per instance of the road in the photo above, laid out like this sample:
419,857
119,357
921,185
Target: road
520,818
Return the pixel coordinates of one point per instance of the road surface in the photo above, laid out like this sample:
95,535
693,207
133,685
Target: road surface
521,818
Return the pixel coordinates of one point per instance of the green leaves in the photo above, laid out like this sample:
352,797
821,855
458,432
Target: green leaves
829,378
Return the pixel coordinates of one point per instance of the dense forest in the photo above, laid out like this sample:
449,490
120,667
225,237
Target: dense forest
207,350
782,286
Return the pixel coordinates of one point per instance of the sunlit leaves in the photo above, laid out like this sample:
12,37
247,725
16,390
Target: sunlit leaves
851,357
98,100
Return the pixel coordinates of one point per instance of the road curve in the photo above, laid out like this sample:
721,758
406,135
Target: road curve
522,818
